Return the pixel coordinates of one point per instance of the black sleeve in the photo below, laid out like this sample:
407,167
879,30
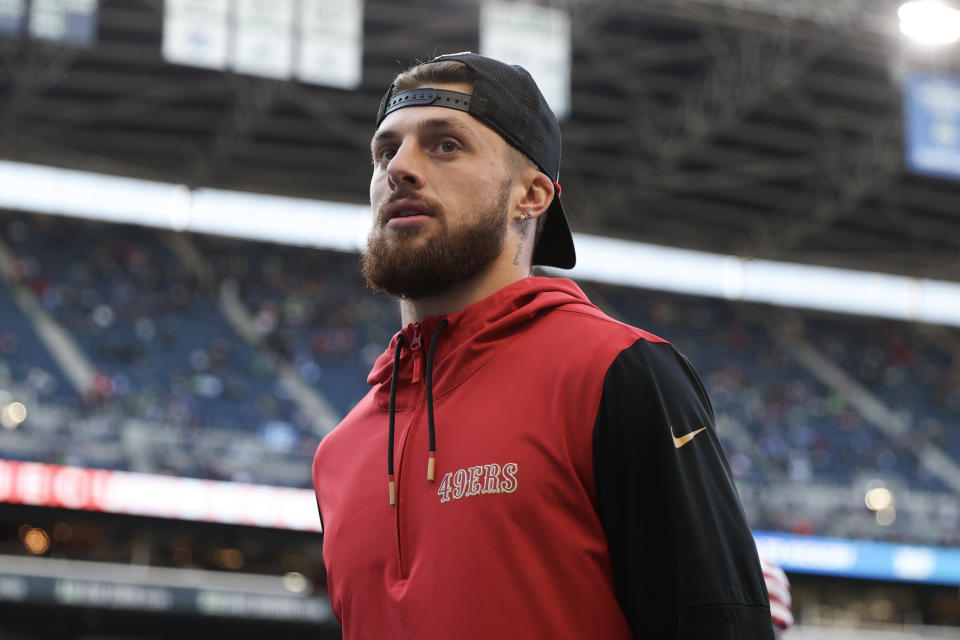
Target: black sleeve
684,561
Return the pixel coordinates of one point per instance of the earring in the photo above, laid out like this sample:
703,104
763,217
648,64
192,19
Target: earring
523,216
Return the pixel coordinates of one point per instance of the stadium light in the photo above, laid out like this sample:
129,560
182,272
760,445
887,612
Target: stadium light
37,541
886,516
295,582
878,499
13,415
929,22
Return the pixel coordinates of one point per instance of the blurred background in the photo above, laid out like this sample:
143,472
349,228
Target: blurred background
772,186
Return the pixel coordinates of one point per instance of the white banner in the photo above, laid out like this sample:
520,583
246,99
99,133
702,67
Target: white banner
536,38
263,44
72,22
195,32
331,43
11,16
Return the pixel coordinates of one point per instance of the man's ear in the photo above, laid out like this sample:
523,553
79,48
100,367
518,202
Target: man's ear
539,193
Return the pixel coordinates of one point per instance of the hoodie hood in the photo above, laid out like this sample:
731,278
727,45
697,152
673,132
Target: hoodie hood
470,338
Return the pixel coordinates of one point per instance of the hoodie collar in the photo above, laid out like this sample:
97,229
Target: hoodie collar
471,336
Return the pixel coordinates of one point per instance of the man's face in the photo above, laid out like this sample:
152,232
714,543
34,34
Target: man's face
440,194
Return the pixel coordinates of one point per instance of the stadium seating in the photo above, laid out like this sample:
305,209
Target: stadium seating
919,378
312,309
182,388
24,360
142,319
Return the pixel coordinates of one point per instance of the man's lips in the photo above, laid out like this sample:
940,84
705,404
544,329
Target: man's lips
406,212
407,207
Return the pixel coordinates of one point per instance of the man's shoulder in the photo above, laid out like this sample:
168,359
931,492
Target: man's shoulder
355,426
584,339
593,328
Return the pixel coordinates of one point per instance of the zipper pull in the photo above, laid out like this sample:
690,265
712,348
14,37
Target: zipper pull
415,348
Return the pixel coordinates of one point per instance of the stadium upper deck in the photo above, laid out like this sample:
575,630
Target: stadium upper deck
741,127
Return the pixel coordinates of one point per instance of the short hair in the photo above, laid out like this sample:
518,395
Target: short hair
454,72
444,71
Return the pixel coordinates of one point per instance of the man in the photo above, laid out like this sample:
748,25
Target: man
551,473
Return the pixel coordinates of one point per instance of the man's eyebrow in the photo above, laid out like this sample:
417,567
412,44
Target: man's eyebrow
444,123
433,124
382,136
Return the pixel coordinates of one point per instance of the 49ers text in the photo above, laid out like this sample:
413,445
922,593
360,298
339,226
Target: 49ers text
479,480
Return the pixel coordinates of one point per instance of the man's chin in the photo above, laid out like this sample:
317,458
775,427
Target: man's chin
403,236
428,260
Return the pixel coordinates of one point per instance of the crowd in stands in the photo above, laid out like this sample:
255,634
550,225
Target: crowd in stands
24,360
312,309
916,369
160,348
166,353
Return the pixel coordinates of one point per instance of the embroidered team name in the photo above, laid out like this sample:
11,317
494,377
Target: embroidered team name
479,480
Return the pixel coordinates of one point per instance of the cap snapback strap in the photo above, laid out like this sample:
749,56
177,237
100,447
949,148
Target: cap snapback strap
428,97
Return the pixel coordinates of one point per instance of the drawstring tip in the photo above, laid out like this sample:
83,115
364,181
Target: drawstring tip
393,492
431,467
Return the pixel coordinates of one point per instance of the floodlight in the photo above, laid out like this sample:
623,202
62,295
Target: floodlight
878,499
13,415
929,22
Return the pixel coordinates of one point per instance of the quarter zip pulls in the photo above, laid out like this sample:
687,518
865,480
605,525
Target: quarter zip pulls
414,349
391,419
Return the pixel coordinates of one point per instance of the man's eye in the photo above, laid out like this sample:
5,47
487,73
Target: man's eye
448,146
385,154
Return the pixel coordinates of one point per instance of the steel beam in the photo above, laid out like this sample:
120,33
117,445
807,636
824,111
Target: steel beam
868,168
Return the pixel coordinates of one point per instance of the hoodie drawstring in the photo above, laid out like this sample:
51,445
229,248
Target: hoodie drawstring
432,460
390,428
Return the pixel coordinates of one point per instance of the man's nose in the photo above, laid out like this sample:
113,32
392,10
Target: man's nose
405,167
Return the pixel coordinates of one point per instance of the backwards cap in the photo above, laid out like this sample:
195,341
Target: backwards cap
506,99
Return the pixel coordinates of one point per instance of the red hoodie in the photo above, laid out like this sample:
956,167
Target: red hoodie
511,539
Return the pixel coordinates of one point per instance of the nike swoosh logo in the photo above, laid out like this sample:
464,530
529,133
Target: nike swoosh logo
679,442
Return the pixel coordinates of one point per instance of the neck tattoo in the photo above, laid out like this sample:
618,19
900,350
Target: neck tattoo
523,238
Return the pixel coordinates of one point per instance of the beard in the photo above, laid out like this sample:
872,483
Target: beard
414,267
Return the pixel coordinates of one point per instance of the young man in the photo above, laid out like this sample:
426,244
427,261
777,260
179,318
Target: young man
550,473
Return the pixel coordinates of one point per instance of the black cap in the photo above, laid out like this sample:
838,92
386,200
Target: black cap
507,100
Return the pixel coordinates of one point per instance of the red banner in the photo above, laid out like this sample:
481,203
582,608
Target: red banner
144,494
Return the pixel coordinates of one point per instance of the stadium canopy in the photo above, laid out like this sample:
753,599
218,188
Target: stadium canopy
766,131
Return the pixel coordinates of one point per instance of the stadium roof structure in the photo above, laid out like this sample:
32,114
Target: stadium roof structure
759,129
